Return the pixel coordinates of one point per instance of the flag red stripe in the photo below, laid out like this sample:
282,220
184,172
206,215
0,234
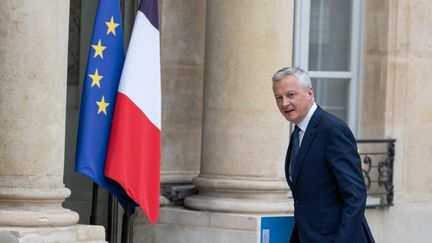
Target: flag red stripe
133,158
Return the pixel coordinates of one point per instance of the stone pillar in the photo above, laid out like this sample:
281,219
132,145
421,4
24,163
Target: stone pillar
182,60
33,69
244,136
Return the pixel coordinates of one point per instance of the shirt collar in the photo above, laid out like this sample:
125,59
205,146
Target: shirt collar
304,123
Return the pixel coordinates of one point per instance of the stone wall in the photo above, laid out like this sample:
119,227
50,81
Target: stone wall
397,104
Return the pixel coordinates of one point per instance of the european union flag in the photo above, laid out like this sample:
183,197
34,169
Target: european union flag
104,67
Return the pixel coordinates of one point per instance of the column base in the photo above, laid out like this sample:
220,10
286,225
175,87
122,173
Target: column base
231,205
38,218
240,195
180,225
178,177
76,233
34,202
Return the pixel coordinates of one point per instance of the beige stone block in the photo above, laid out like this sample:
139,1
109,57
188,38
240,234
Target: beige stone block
180,155
179,225
423,100
182,92
373,99
418,21
404,222
177,234
235,221
376,27
185,45
77,233
399,27
245,142
418,154
182,89
400,85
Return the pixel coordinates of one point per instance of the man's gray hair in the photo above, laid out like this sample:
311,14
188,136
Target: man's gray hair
299,73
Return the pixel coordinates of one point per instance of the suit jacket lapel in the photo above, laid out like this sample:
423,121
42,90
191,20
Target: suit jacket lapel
306,142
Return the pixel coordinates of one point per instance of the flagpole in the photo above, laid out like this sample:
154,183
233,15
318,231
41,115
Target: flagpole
111,235
109,223
126,221
93,215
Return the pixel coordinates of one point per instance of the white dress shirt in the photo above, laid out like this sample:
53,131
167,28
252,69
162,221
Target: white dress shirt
304,123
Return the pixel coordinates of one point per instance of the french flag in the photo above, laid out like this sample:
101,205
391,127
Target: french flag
133,157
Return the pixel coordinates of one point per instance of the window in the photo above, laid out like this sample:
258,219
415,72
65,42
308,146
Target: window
328,45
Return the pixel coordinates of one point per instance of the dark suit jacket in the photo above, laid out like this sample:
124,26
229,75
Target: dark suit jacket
327,184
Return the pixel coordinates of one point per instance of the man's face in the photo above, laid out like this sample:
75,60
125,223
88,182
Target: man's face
292,100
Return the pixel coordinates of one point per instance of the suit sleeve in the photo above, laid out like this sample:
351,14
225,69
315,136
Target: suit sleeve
344,162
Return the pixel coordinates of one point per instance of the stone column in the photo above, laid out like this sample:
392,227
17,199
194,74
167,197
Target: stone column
33,70
244,136
182,60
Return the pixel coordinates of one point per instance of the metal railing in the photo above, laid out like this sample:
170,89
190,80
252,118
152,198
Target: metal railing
377,156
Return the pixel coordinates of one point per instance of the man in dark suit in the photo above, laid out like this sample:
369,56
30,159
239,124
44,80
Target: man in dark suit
322,167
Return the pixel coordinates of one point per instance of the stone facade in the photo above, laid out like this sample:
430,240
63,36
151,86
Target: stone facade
220,124
396,104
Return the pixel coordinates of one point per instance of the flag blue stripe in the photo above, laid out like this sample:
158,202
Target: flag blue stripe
150,10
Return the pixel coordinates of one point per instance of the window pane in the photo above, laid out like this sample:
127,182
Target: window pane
332,95
330,31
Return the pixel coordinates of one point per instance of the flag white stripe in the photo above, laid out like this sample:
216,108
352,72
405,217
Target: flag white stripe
140,79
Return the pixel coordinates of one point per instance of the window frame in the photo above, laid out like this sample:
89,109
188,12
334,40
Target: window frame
301,56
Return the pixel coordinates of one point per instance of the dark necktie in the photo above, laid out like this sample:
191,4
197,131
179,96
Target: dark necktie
294,148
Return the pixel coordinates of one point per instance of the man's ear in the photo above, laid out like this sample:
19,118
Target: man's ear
310,92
